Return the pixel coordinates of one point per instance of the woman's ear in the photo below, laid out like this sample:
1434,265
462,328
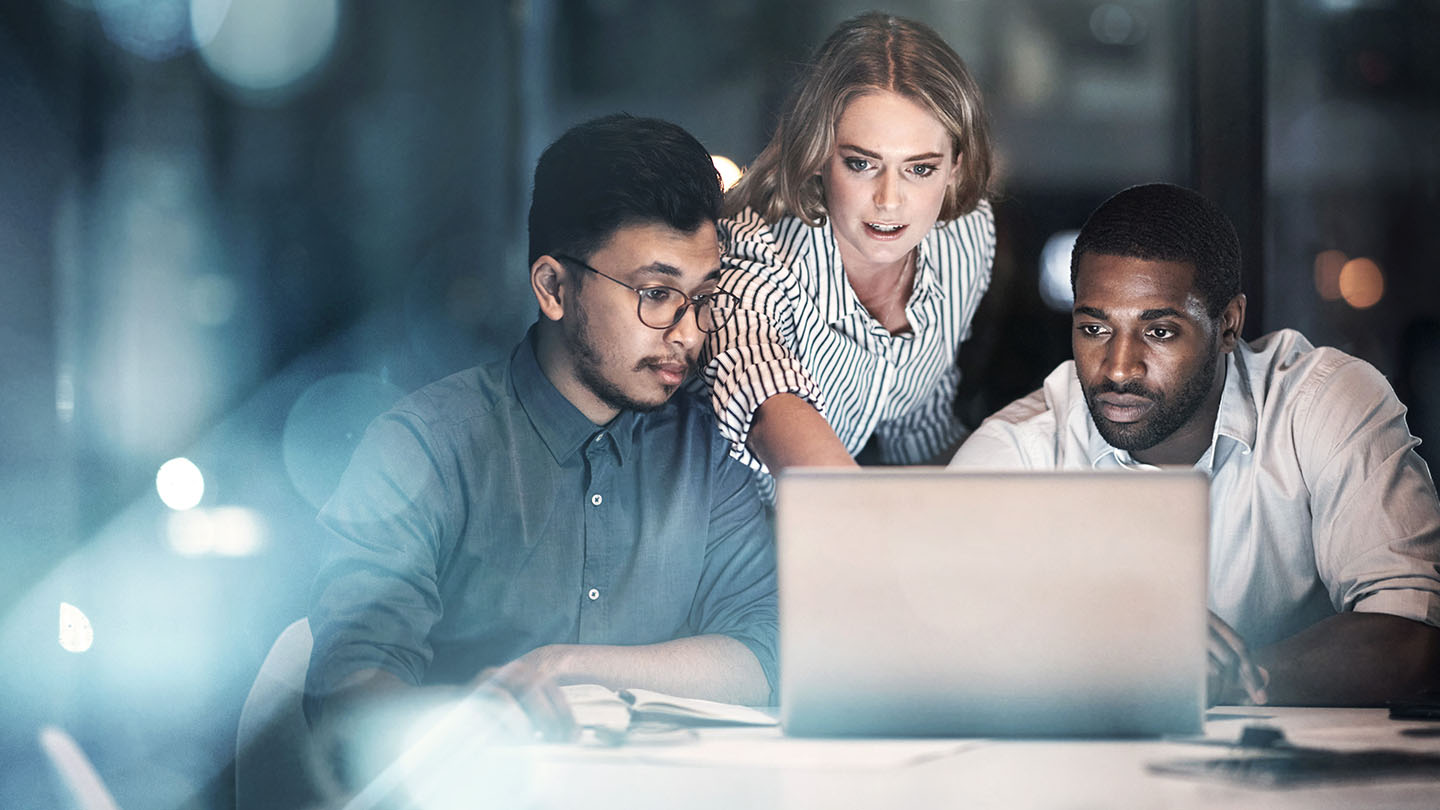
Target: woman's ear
548,281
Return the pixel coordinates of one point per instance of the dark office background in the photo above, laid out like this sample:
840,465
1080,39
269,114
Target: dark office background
234,230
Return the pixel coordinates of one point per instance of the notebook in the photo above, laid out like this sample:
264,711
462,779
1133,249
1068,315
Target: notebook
932,602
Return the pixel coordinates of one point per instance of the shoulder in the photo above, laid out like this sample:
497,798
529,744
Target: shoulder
1320,399
963,250
763,257
1027,432
1284,365
975,230
476,392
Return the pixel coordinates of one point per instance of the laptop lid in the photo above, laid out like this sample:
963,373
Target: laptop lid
932,602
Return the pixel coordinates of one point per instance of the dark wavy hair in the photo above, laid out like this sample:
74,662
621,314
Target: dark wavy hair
615,171
1160,222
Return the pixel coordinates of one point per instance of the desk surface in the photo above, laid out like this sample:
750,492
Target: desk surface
759,768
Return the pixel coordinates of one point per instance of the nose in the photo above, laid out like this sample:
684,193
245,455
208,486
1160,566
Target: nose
887,191
685,332
1124,358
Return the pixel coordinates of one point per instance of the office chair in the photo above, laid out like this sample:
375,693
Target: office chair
84,786
274,760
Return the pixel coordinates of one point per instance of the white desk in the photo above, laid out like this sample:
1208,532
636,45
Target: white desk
758,768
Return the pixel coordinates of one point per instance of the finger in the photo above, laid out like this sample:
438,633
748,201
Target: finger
563,725
539,698
1254,681
1228,644
545,703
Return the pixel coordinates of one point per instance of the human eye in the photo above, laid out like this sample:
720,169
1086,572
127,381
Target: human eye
1090,329
856,164
657,295
924,169
1162,332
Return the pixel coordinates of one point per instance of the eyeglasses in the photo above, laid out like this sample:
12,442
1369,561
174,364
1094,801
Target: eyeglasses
661,307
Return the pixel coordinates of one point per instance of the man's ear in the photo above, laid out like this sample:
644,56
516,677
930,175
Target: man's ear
1232,321
548,281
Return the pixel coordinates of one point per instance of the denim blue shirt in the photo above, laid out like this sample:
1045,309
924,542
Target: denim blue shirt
484,516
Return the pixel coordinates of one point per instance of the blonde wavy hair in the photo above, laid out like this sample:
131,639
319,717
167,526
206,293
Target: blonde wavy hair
871,52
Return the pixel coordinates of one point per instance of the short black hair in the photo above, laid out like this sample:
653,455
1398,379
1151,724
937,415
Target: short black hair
615,171
1160,222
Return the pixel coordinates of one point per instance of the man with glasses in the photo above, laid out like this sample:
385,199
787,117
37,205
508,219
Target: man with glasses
561,516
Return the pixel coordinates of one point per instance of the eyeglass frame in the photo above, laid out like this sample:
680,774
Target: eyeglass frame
640,298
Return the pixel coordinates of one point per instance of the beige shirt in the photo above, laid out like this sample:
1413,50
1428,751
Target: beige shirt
1318,501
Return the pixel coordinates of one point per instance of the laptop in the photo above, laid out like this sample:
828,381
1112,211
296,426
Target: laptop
926,602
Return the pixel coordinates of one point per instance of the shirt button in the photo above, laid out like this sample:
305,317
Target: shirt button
596,499
593,594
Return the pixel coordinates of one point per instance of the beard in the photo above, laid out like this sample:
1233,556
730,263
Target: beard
1167,416
589,368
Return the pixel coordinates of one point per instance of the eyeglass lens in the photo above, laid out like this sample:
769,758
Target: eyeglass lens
663,307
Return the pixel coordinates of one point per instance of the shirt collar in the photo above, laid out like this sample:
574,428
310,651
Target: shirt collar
561,425
1235,420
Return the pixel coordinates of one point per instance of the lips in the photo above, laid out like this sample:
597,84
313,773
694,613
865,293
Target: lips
1124,408
884,230
671,373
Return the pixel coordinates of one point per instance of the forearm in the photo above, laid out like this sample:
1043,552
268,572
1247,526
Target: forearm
713,667
1353,659
787,431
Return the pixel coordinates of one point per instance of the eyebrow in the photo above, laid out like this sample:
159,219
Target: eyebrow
876,156
1145,315
662,269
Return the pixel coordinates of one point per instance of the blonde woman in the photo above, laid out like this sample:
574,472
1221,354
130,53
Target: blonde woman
859,245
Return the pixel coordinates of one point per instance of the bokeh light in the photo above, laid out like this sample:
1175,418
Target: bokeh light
324,426
151,29
1055,271
180,484
226,531
1114,24
76,634
1327,273
262,47
1362,284
729,172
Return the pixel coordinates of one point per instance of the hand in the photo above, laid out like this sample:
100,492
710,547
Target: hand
534,692
1231,667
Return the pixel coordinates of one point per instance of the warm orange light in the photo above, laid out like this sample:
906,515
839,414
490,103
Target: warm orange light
729,172
1361,283
1327,273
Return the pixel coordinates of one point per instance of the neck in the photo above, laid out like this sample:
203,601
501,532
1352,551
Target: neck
559,368
884,292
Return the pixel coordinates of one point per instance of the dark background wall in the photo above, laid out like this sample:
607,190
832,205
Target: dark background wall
235,231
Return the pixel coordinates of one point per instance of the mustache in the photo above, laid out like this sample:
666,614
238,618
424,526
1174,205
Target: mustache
1130,387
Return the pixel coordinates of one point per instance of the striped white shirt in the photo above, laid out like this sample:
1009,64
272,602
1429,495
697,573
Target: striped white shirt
801,329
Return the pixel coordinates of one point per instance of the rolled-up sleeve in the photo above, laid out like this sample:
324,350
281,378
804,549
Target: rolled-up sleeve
376,595
751,358
1376,515
736,595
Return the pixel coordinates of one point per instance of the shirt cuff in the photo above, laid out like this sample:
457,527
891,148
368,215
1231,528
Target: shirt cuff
765,654
1408,603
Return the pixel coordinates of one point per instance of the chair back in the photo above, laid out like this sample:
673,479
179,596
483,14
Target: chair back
274,758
